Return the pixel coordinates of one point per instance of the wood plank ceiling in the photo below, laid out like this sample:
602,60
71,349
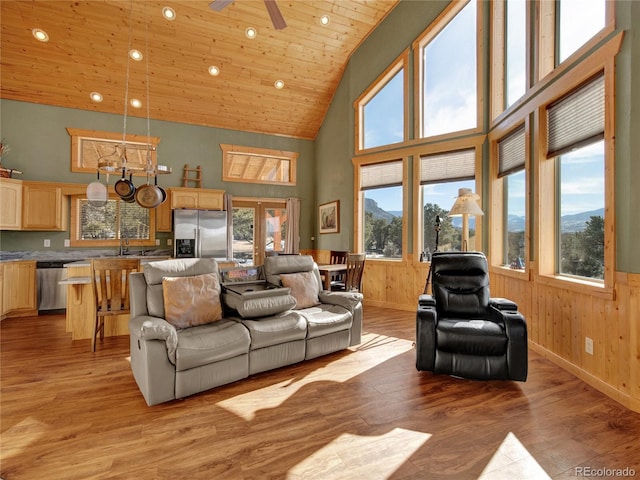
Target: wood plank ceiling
89,41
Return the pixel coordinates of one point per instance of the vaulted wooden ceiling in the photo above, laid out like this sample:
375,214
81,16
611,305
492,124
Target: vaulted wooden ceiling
89,41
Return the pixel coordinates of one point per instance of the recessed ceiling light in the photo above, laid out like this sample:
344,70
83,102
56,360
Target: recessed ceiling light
214,71
96,97
325,19
279,84
251,32
135,54
135,103
40,35
168,13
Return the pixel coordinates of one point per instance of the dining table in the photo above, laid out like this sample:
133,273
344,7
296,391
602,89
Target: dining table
330,271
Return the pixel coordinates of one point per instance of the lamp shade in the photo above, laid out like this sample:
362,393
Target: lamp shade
466,203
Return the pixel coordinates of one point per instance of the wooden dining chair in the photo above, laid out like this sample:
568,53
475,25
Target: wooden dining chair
110,282
338,257
353,275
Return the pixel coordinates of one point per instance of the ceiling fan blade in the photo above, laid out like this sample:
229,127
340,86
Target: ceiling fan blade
274,12
218,5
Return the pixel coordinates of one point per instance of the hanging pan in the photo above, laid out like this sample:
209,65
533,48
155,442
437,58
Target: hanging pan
97,193
124,187
149,196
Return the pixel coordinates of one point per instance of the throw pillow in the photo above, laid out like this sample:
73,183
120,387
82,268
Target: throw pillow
191,301
304,288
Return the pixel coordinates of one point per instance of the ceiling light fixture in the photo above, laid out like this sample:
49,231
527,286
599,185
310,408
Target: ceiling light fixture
96,97
135,103
325,19
135,54
251,32
169,13
279,84
40,35
214,71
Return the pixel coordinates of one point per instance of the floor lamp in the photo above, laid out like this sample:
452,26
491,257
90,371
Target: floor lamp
466,204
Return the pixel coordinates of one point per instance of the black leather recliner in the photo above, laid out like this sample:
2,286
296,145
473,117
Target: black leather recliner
461,331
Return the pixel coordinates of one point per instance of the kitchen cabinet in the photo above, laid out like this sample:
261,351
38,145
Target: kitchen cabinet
197,198
10,204
19,295
44,207
163,215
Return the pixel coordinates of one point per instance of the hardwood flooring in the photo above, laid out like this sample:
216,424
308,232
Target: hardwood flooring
365,413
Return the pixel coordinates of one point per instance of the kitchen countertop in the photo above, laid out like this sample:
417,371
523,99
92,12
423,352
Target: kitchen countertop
71,256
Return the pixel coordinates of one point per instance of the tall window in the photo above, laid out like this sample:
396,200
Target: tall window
112,223
383,118
516,50
575,140
579,21
381,187
449,76
441,176
511,168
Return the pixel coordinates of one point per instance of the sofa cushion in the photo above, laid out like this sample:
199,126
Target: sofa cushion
304,288
154,272
211,343
324,319
276,329
192,301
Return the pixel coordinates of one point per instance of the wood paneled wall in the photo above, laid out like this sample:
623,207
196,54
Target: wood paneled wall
558,320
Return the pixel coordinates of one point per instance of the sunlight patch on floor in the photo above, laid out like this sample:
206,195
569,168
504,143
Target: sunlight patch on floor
376,349
21,435
513,460
354,456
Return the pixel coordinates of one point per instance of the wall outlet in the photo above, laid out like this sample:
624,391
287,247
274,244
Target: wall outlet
67,242
47,242
169,241
588,345
157,241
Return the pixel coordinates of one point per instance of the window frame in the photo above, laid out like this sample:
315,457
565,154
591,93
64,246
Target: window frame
229,151
475,142
545,178
497,200
418,46
400,63
358,202
74,230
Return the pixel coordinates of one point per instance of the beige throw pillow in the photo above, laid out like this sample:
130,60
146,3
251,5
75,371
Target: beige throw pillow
304,288
191,301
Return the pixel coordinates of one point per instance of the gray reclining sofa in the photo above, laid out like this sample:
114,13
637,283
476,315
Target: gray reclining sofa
172,361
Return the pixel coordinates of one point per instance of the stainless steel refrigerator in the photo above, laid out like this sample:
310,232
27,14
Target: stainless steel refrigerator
200,233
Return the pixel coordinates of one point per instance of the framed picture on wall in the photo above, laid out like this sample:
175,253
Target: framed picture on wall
329,217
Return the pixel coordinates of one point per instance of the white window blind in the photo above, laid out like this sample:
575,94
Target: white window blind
388,174
511,152
449,166
577,119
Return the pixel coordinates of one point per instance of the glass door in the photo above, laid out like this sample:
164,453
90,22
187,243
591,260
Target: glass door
258,230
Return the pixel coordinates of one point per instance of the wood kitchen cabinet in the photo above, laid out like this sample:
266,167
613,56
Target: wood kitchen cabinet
44,207
197,198
19,295
10,204
163,215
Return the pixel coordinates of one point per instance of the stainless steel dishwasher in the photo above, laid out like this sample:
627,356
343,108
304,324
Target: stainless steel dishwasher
52,297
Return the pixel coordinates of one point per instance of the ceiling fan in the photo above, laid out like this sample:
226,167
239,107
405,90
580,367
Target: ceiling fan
272,7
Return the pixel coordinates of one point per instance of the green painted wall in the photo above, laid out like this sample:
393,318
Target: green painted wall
41,149
335,142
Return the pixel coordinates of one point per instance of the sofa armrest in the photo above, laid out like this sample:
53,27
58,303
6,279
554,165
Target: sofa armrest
503,304
348,300
426,300
146,327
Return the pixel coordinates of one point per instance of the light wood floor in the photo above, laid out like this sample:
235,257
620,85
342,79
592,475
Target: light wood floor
364,414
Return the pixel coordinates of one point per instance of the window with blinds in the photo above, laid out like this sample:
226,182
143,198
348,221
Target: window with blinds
511,152
388,174
577,119
447,167
115,220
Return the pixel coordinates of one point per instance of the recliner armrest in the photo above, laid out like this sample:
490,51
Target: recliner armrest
425,300
348,300
503,304
146,327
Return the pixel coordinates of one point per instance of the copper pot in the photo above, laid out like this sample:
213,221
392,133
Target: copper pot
124,187
149,196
